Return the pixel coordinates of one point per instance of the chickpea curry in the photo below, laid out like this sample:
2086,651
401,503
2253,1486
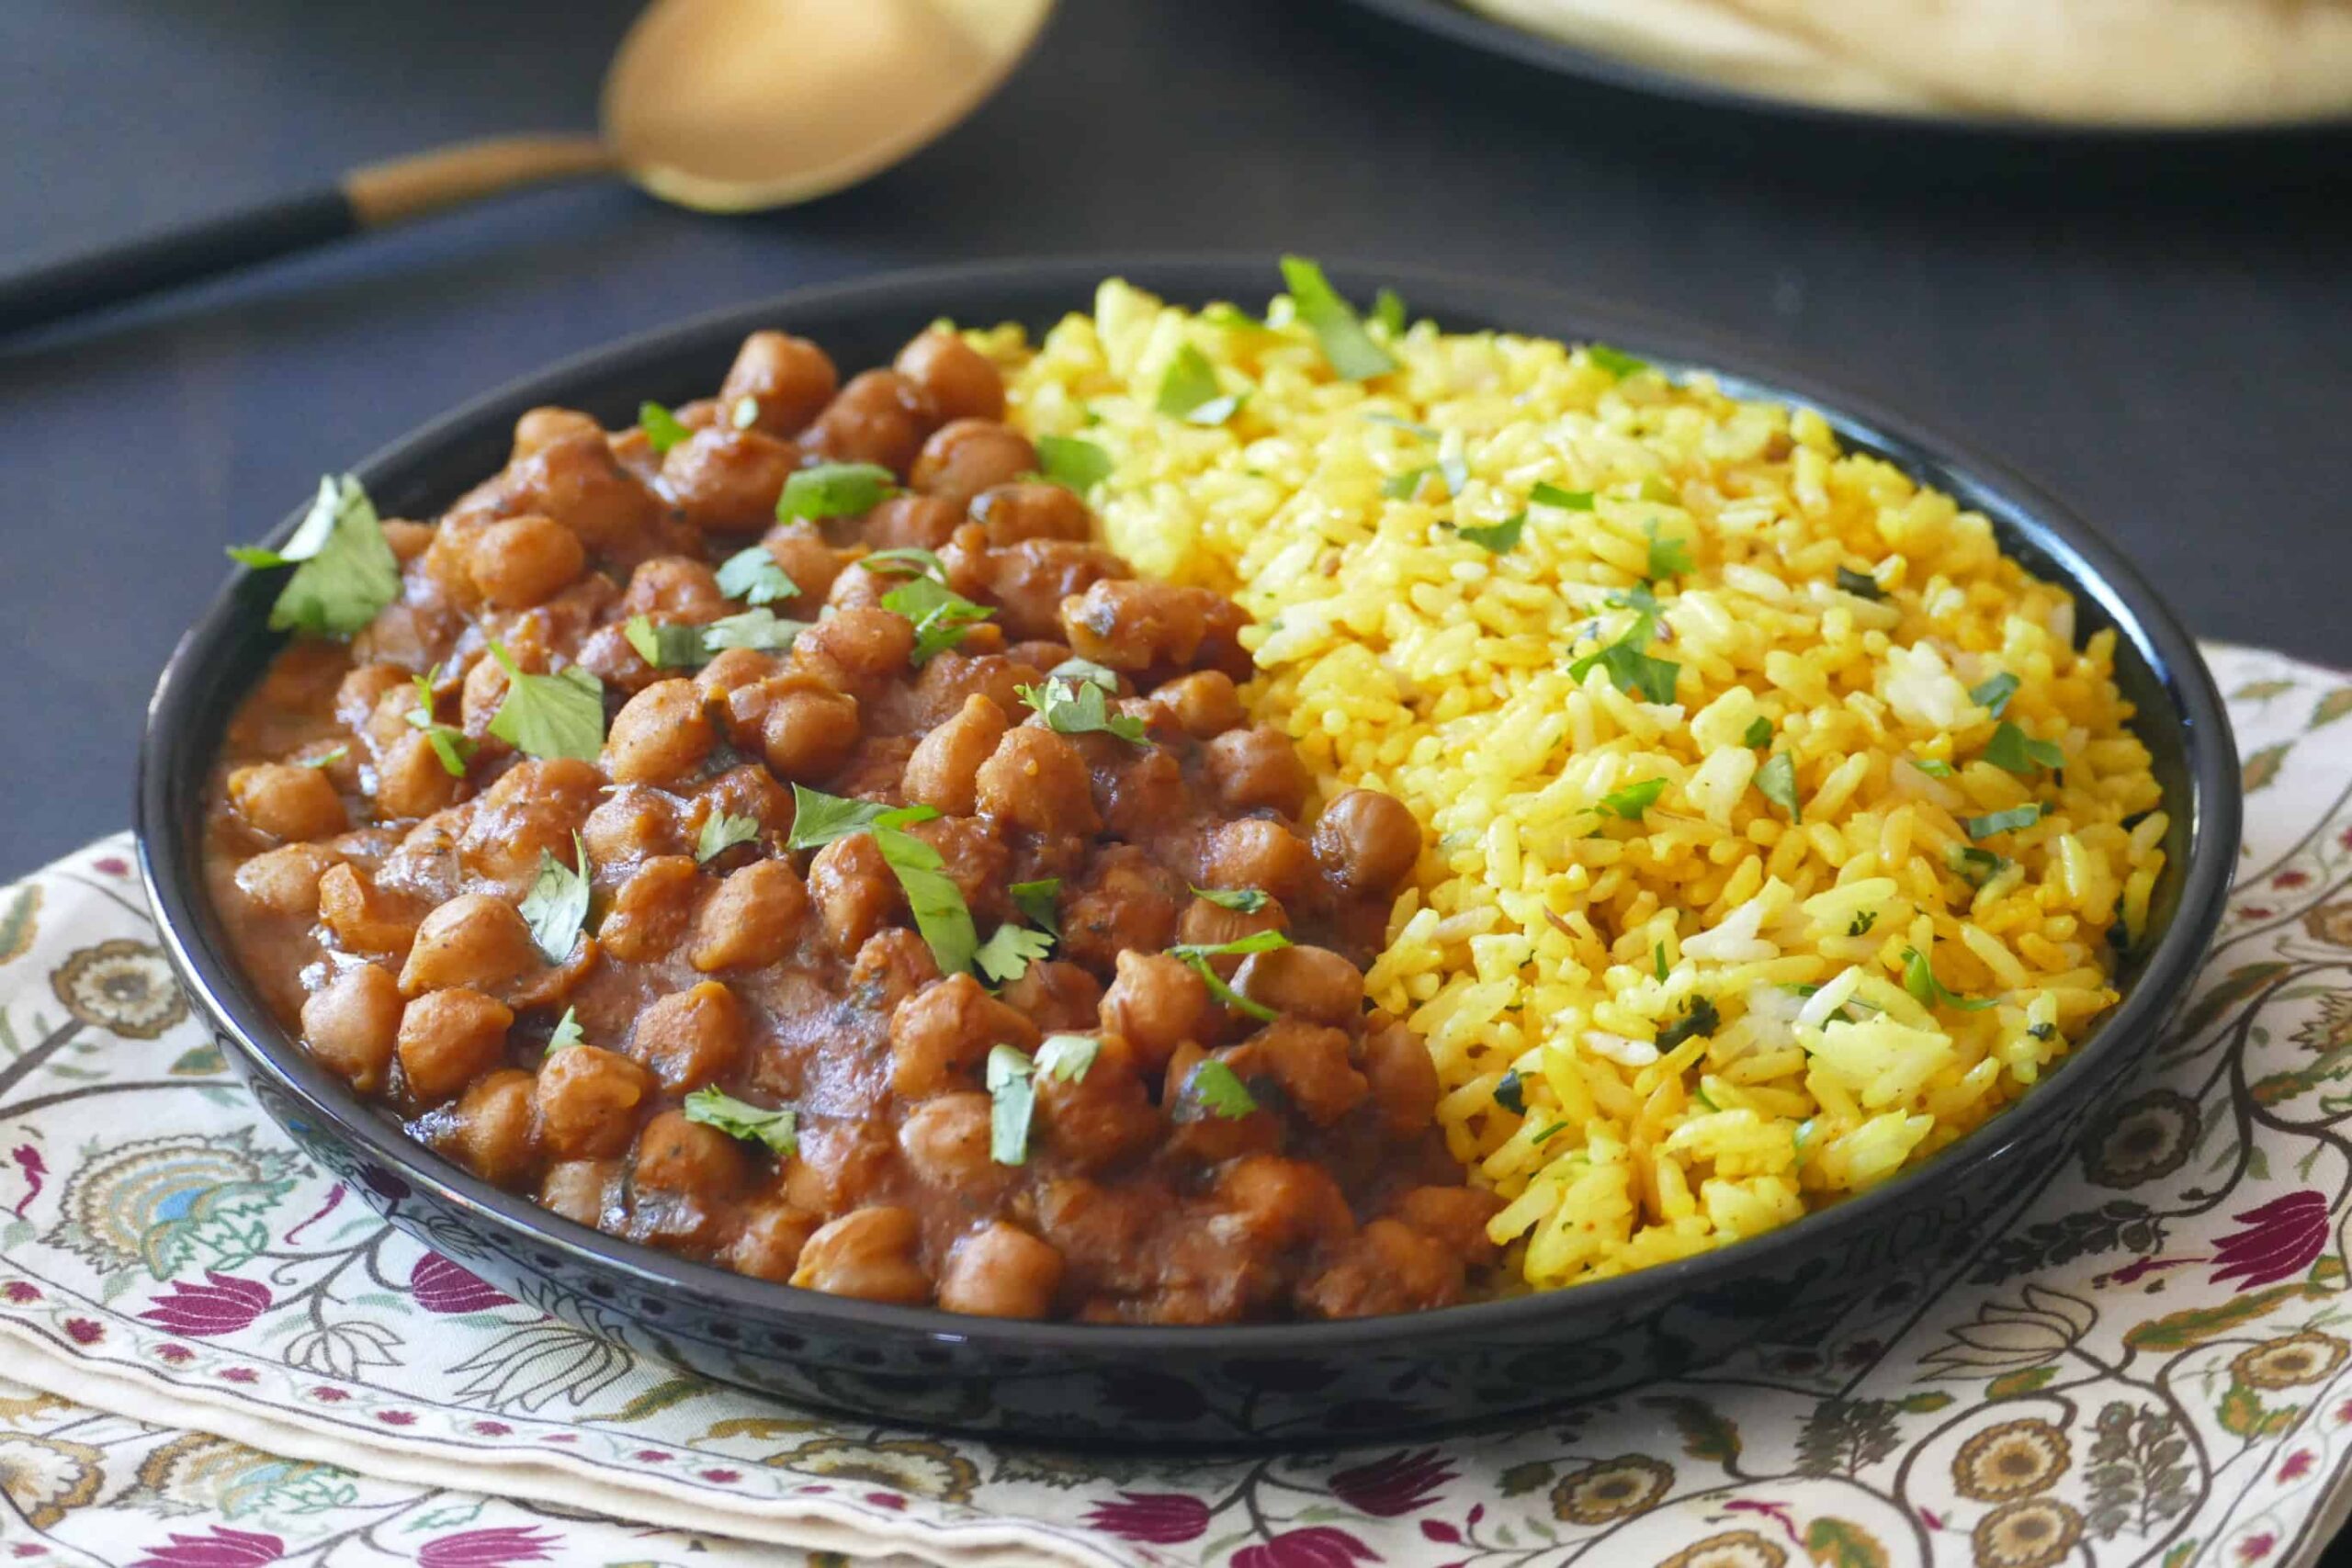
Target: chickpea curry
777,832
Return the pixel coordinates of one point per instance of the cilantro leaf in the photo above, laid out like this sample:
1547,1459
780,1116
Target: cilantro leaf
1012,1096
1634,799
1388,311
1081,710
1198,954
1993,695
2007,821
1933,767
1510,1093
1615,361
1394,423
344,571
1777,780
713,1107
1657,960
1548,1133
327,758
943,617
1242,900
1006,956
568,1032
753,576
1633,671
453,746
560,714
1071,463
1402,486
557,906
1655,488
1669,558
1919,979
1566,500
1862,923
1351,350
761,630
1067,1056
1760,732
662,428
1499,538
912,559
1224,313
671,645
722,832
2013,750
1075,669
818,818
1861,585
1039,901
1703,1019
1974,866
835,489
1213,1089
1188,386
941,914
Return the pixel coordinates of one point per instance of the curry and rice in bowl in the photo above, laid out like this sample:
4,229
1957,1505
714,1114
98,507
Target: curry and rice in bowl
1206,817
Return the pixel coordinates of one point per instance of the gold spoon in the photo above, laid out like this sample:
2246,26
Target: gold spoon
723,106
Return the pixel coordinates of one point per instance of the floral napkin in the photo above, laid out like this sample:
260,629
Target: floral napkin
216,1357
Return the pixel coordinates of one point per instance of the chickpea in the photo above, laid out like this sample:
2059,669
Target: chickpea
1206,1138
407,539
288,802
1456,1216
838,1164
746,791
412,782
977,859
659,736
1310,1061
1404,1080
752,920
363,688
493,1131
1131,624
854,889
1012,512
1156,1004
942,773
687,1159
945,1141
1204,704
652,910
1145,790
363,919
1102,1233
691,1038
1313,983
969,456
285,881
789,378
868,1253
450,1038
351,1023
891,965
801,551
575,480
960,380
945,1031
880,417
542,427
1388,1267
588,1100
727,480
1257,769
630,825
922,521
1125,901
856,649
1000,1270
1253,853
1367,841
578,1189
674,588
477,941
1104,1116
1060,998
479,695
1211,925
1038,781
524,561
1285,1203
1030,582
769,1246
733,669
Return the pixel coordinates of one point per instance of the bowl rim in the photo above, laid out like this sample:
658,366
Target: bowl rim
174,744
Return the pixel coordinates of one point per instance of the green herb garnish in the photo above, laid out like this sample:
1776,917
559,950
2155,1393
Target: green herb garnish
1241,900
2009,821
1615,361
568,1032
754,1125
753,576
1759,733
912,559
1919,979
761,630
1067,1056
1777,780
1351,350
1862,922
453,746
1634,799
1081,710
1669,558
1071,463
1657,960
1500,538
2042,1030
1390,419
556,907
1510,1093
1389,312
327,758
1006,956
1075,671
560,714
2013,750
722,832
1633,671
1974,866
1188,390
670,645
1861,585
1993,695
1213,1089
1012,1101
1931,767
835,489
818,818
1566,500
1198,954
942,616
937,903
662,430
1701,1019
1039,901
344,571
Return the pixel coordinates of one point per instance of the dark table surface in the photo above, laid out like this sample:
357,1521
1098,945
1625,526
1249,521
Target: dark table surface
2179,364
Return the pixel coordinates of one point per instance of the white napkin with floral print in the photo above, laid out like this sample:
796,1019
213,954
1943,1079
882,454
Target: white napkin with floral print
219,1358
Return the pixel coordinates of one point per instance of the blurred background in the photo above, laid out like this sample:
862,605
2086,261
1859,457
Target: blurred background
2163,339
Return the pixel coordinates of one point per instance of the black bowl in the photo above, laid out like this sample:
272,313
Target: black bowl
1282,1382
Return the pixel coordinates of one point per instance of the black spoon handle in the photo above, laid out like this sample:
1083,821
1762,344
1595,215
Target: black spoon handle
373,196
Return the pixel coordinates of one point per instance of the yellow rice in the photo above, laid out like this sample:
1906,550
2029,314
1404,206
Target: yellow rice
1404,656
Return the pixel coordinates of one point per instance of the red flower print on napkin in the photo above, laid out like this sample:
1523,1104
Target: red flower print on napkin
2279,1241
1318,1547
222,1304
1404,1482
441,1286
489,1548
1161,1518
218,1547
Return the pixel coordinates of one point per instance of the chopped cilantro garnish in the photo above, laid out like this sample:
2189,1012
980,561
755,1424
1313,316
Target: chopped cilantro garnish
1993,695
2009,821
912,559
1657,959
1351,350
1040,901
1633,671
818,818
1500,538
1701,1019
453,746
713,1107
670,645
722,832
1861,585
1566,500
1862,923
329,759
1760,732
1242,900
1188,390
568,1032
1510,1093
943,617
1388,311
1548,1133
937,903
1007,955
753,576
1067,1056
1931,767
662,428
1071,463
1634,799
1198,954
1075,669
2042,1030
1081,710
1390,419
556,907
1615,361
1669,558
1213,1089
1778,780
560,714
1919,979
344,571
1974,866
835,489
2013,750
761,630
